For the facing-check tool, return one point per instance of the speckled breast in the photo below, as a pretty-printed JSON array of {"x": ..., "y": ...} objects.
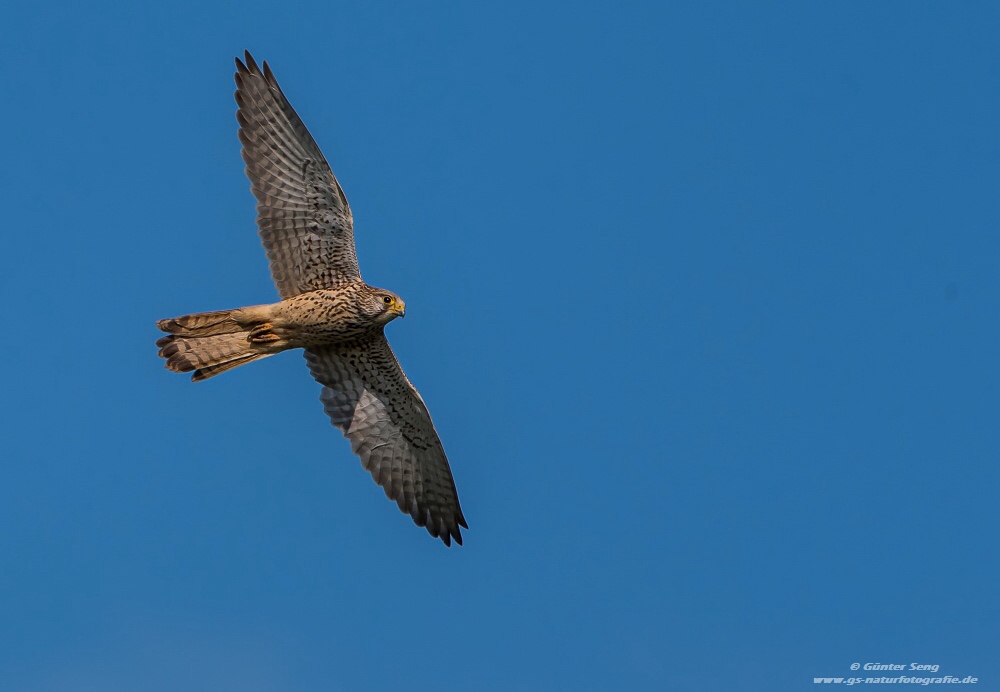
[{"x": 326, "y": 316}]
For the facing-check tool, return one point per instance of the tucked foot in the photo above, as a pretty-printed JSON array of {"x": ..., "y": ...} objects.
[{"x": 262, "y": 334}]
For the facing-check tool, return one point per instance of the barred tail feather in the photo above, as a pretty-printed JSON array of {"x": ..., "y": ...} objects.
[
  {"x": 207, "y": 343},
  {"x": 202, "y": 324},
  {"x": 204, "y": 373}
]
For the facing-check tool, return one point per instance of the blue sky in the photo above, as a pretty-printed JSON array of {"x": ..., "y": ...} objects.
[{"x": 703, "y": 298}]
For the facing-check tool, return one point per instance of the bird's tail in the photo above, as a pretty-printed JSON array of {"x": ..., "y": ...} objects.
[{"x": 208, "y": 343}]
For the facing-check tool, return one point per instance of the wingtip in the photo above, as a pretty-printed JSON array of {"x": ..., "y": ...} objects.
[
  {"x": 269, "y": 76},
  {"x": 448, "y": 533},
  {"x": 249, "y": 66},
  {"x": 251, "y": 63}
]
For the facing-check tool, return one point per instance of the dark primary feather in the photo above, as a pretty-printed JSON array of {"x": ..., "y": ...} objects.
[
  {"x": 304, "y": 220},
  {"x": 368, "y": 397}
]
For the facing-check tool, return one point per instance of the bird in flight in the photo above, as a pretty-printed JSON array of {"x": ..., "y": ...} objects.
[{"x": 326, "y": 309}]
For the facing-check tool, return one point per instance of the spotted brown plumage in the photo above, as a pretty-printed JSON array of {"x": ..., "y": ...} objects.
[{"x": 307, "y": 230}]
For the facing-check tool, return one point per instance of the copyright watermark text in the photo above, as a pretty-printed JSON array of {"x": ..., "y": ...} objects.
[{"x": 906, "y": 674}]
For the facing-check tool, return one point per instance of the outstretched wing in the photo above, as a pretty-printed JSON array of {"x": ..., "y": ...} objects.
[
  {"x": 368, "y": 397},
  {"x": 304, "y": 220}
]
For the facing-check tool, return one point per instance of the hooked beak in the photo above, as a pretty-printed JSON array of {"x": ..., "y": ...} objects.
[{"x": 399, "y": 308}]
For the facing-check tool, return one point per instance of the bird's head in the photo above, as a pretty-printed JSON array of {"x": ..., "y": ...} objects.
[{"x": 385, "y": 306}]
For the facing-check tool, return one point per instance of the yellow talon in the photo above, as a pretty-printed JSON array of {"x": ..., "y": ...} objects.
[{"x": 262, "y": 334}]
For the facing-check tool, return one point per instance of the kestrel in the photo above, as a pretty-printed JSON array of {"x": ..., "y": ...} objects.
[{"x": 307, "y": 229}]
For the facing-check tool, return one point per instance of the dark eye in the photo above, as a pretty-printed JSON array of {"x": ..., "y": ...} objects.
[{"x": 387, "y": 300}]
